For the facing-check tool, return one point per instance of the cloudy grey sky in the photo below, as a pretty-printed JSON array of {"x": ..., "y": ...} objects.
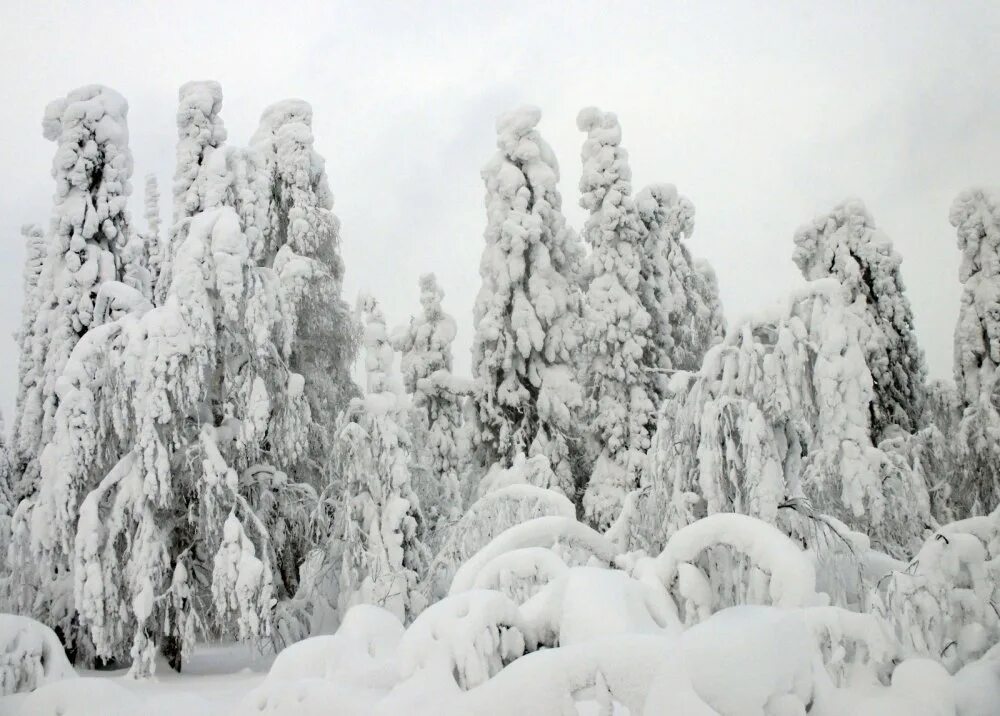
[{"x": 764, "y": 114}]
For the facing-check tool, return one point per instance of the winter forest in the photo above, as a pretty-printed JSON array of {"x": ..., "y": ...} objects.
[{"x": 635, "y": 502}]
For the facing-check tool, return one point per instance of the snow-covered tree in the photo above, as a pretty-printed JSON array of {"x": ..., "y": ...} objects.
[
  {"x": 975, "y": 214},
  {"x": 847, "y": 245},
  {"x": 617, "y": 326},
  {"x": 200, "y": 132},
  {"x": 85, "y": 246},
  {"x": 154, "y": 242},
  {"x": 32, "y": 356},
  {"x": 777, "y": 417},
  {"x": 425, "y": 345},
  {"x": 7, "y": 504},
  {"x": 209, "y": 415},
  {"x": 384, "y": 556},
  {"x": 526, "y": 313},
  {"x": 301, "y": 240},
  {"x": 165, "y": 498},
  {"x": 679, "y": 294}
]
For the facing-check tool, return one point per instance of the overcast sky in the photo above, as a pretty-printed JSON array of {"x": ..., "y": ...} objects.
[{"x": 764, "y": 114}]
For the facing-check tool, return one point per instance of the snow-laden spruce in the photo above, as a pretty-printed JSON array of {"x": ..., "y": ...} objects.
[
  {"x": 526, "y": 313},
  {"x": 200, "y": 132},
  {"x": 382, "y": 539},
  {"x": 617, "y": 326},
  {"x": 8, "y": 501},
  {"x": 301, "y": 241},
  {"x": 425, "y": 346},
  {"x": 154, "y": 242},
  {"x": 31, "y": 359},
  {"x": 678, "y": 292},
  {"x": 847, "y": 245},
  {"x": 85, "y": 246},
  {"x": 975, "y": 214}
]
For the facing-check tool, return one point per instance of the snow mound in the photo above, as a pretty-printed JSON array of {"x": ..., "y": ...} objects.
[
  {"x": 590, "y": 603},
  {"x": 524, "y": 471},
  {"x": 100, "y": 697},
  {"x": 30, "y": 655},
  {"x": 471, "y": 636},
  {"x": 562, "y": 533}
]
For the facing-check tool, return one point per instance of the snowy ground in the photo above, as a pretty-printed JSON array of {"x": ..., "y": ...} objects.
[
  {"x": 215, "y": 680},
  {"x": 539, "y": 621}
]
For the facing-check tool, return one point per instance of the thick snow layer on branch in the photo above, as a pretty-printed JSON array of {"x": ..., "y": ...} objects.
[
  {"x": 519, "y": 574},
  {"x": 241, "y": 583},
  {"x": 554, "y": 532},
  {"x": 792, "y": 576},
  {"x": 488, "y": 517}
]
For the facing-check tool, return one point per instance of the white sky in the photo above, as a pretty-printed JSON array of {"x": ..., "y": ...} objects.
[{"x": 764, "y": 114}]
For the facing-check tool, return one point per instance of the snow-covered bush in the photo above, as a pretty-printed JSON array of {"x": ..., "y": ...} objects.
[
  {"x": 943, "y": 605},
  {"x": 521, "y": 573},
  {"x": 527, "y": 311},
  {"x": 30, "y": 655},
  {"x": 534, "y": 471}
]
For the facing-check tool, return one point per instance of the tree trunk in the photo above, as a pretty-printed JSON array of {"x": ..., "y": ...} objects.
[{"x": 170, "y": 647}]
